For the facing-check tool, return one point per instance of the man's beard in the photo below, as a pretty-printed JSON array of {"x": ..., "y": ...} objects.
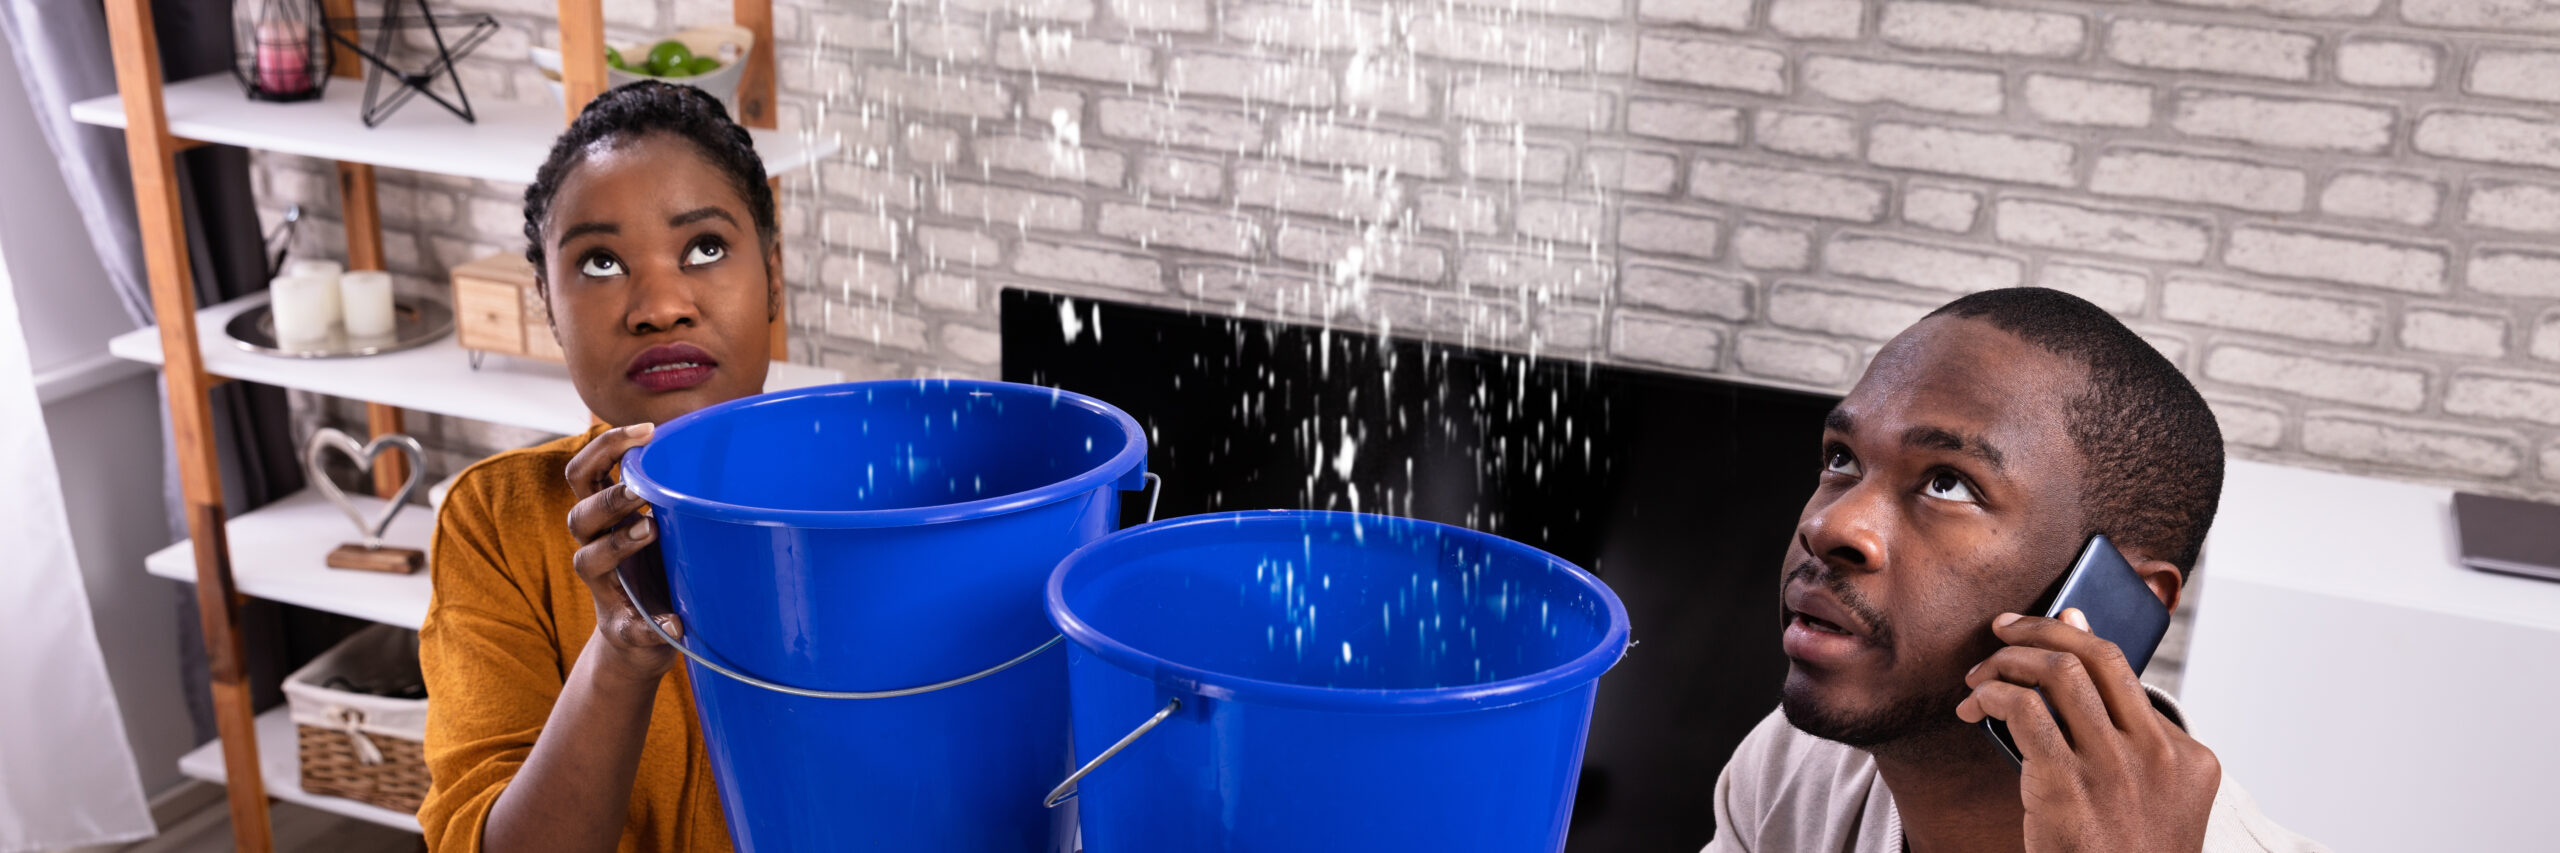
[{"x": 1902, "y": 718}]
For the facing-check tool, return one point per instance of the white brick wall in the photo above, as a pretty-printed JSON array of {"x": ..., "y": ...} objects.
[
  {"x": 2406, "y": 199},
  {"x": 2104, "y": 230},
  {"x": 2546, "y": 336},
  {"x": 1978, "y": 29},
  {"x": 2481, "y": 14},
  {"x": 1940, "y": 208},
  {"x": 1772, "y": 246},
  {"x": 1821, "y": 136},
  {"x": 2212, "y": 48},
  {"x": 2072, "y": 100},
  {"x": 1667, "y": 341},
  {"x": 2294, "y": 314},
  {"x": 2524, "y": 75},
  {"x": 1732, "y": 15},
  {"x": 2120, "y": 290},
  {"x": 2388, "y": 64},
  {"x": 2283, "y": 122},
  {"x": 1711, "y": 64},
  {"x": 2454, "y": 331},
  {"x": 2339, "y": 257},
  {"x": 2412, "y": 445},
  {"x": 2522, "y": 273},
  {"x": 2335, "y": 214},
  {"x": 1917, "y": 264},
  {"x": 1800, "y": 359},
  {"x": 2175, "y": 176},
  {"x": 1817, "y": 19},
  {"x": 2506, "y": 138},
  {"x": 1840, "y": 311},
  {"x": 1779, "y": 190},
  {"x": 2514, "y": 207},
  {"x": 1965, "y": 91}
]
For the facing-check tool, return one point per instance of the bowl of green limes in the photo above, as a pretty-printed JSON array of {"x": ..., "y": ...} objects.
[{"x": 711, "y": 58}]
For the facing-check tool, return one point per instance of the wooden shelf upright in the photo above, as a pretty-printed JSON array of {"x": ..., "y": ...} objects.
[{"x": 507, "y": 139}]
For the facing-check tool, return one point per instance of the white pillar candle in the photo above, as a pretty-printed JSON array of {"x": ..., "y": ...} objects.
[
  {"x": 366, "y": 297},
  {"x": 304, "y": 306},
  {"x": 325, "y": 270}
]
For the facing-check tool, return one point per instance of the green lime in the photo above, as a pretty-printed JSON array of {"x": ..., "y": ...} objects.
[
  {"x": 667, "y": 56},
  {"x": 702, "y": 65},
  {"x": 613, "y": 58}
]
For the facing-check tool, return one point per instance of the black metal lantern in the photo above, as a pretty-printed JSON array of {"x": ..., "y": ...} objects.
[{"x": 283, "y": 51}]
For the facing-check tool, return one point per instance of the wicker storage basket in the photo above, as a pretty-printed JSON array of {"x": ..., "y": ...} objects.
[{"x": 358, "y": 745}]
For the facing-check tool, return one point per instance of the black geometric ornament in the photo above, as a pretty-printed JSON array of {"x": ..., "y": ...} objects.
[{"x": 380, "y": 104}]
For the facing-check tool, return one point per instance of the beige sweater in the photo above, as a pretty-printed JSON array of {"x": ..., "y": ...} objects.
[{"x": 1790, "y": 792}]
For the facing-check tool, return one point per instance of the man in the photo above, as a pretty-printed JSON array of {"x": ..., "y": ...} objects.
[{"x": 1959, "y": 478}]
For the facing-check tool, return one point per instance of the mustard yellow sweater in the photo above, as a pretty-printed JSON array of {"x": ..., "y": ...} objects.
[{"x": 508, "y": 620}]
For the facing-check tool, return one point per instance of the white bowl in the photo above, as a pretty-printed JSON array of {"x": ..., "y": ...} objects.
[{"x": 705, "y": 41}]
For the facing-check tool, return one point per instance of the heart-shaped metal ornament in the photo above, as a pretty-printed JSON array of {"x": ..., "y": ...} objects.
[{"x": 329, "y": 438}]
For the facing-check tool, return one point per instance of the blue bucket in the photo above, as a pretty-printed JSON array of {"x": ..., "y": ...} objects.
[
  {"x": 858, "y": 568},
  {"x": 1296, "y": 681}
]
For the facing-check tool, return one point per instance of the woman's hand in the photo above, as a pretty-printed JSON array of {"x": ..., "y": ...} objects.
[
  {"x": 605, "y": 540},
  {"x": 573, "y": 793}
]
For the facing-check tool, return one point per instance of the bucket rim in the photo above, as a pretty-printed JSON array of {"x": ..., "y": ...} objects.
[
  {"x": 1583, "y": 669},
  {"x": 1131, "y": 459}
]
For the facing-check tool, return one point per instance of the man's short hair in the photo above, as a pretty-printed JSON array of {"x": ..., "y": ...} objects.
[{"x": 2153, "y": 449}]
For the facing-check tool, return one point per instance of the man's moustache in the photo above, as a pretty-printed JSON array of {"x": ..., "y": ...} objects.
[{"x": 1879, "y": 631}]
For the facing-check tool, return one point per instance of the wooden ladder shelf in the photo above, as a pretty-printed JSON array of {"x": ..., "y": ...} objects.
[{"x": 151, "y": 148}]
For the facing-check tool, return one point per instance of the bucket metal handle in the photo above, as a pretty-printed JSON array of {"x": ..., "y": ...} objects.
[
  {"x": 652, "y": 621},
  {"x": 1067, "y": 790},
  {"x": 1155, "y": 494},
  {"x": 1155, "y": 487}
]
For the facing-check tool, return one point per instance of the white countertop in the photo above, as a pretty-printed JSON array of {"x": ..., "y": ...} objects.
[
  {"x": 2382, "y": 541},
  {"x": 2366, "y": 688}
]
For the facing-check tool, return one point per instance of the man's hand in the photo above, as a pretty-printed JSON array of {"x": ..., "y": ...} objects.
[{"x": 2125, "y": 778}]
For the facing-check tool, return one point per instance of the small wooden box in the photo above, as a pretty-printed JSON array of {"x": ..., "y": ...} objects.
[{"x": 496, "y": 308}]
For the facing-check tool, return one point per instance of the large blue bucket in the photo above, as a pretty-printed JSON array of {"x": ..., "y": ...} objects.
[
  {"x": 859, "y": 572},
  {"x": 1299, "y": 681}
]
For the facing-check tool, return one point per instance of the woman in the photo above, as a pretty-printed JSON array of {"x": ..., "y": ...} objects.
[{"x": 555, "y": 723}]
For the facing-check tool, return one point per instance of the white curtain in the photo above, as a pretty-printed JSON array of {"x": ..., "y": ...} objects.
[{"x": 66, "y": 773}]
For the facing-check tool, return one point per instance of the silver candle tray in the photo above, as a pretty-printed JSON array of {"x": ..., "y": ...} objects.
[{"x": 416, "y": 320}]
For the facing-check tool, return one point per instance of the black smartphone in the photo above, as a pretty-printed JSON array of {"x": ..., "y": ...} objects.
[{"x": 2121, "y": 609}]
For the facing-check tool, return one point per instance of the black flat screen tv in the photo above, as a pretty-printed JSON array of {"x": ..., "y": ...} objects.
[{"x": 1680, "y": 492}]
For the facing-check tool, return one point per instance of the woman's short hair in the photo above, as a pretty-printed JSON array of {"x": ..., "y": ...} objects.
[{"x": 638, "y": 109}]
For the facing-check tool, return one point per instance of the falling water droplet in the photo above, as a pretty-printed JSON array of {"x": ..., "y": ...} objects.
[{"x": 1070, "y": 325}]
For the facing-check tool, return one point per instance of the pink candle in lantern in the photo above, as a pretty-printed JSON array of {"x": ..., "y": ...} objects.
[{"x": 283, "y": 58}]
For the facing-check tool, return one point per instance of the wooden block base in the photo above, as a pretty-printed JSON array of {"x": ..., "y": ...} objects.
[{"x": 398, "y": 561}]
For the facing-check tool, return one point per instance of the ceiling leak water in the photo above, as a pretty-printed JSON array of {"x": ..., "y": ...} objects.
[{"x": 915, "y": 198}]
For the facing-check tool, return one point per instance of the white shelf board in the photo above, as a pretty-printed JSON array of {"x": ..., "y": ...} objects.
[
  {"x": 507, "y": 143},
  {"x": 436, "y": 377},
  {"x": 280, "y": 552},
  {"x": 280, "y": 761}
]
